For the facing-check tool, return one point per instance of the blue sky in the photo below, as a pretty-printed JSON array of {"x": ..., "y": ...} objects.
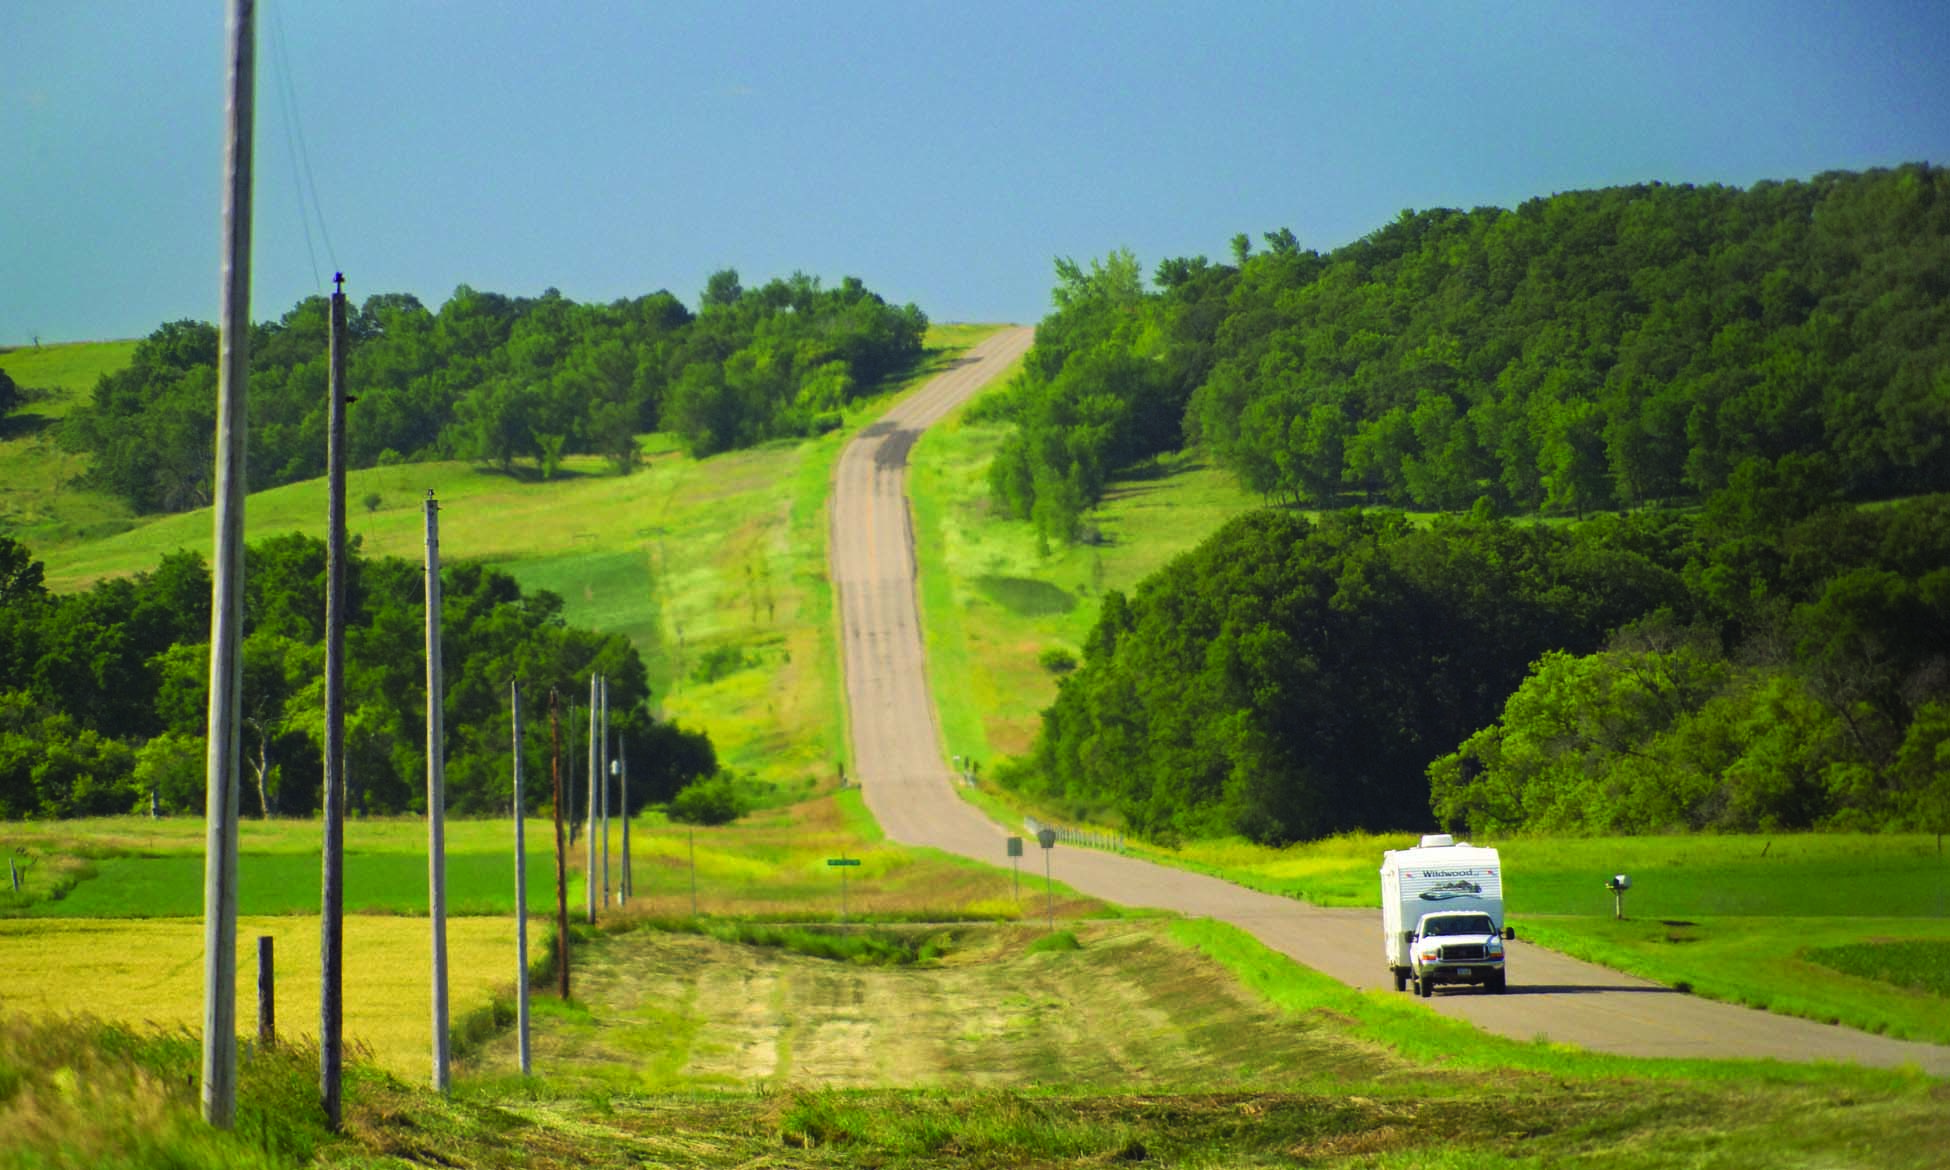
[{"x": 943, "y": 153}]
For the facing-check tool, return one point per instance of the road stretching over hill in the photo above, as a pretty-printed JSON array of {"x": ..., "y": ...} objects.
[{"x": 903, "y": 773}]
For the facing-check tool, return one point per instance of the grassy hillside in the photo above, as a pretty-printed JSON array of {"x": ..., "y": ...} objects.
[
  {"x": 995, "y": 598},
  {"x": 687, "y": 557},
  {"x": 39, "y": 503}
]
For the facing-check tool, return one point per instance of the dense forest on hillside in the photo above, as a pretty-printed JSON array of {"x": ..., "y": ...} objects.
[
  {"x": 1585, "y": 351},
  {"x": 1772, "y": 662},
  {"x": 498, "y": 379},
  {"x": 103, "y": 694}
]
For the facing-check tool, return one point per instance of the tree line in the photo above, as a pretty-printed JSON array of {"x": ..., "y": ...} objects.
[
  {"x": 104, "y": 693},
  {"x": 498, "y": 379},
  {"x": 1586, "y": 351},
  {"x": 1811, "y": 688},
  {"x": 1774, "y": 661}
]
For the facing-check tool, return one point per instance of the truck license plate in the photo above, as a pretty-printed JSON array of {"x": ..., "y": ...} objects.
[{"x": 1462, "y": 970}]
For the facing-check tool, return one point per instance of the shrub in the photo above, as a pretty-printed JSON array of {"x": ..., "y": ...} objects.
[
  {"x": 1057, "y": 660},
  {"x": 718, "y": 662},
  {"x": 716, "y": 801}
]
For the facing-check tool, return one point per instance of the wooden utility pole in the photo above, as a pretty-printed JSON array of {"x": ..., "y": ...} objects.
[
  {"x": 521, "y": 894},
  {"x": 561, "y": 854},
  {"x": 227, "y": 589},
  {"x": 436, "y": 804},
  {"x": 602, "y": 741},
  {"x": 589, "y": 835},
  {"x": 331, "y": 918},
  {"x": 569, "y": 780}
]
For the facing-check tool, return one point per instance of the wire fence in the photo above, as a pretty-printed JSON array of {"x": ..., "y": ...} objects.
[{"x": 1087, "y": 838}]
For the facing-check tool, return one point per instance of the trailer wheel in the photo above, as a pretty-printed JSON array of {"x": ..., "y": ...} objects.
[{"x": 1401, "y": 979}]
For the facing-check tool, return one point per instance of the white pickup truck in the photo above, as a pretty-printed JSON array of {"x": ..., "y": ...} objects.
[{"x": 1442, "y": 915}]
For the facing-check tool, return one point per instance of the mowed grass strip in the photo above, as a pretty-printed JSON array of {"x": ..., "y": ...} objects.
[
  {"x": 1182, "y": 1043},
  {"x": 1128, "y": 1007},
  {"x": 150, "y": 972}
]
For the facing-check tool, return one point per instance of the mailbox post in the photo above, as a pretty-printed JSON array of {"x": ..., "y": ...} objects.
[
  {"x": 1618, "y": 885},
  {"x": 1015, "y": 867}
]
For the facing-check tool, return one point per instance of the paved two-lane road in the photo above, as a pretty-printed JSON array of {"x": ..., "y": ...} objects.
[{"x": 899, "y": 762}]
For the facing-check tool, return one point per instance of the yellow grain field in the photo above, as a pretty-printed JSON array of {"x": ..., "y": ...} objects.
[{"x": 150, "y": 971}]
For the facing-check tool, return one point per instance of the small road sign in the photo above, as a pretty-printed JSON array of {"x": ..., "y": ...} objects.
[{"x": 841, "y": 863}]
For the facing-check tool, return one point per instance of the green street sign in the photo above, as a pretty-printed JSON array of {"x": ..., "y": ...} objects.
[{"x": 842, "y": 861}]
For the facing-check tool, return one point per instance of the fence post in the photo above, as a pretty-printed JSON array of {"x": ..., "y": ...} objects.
[{"x": 267, "y": 994}]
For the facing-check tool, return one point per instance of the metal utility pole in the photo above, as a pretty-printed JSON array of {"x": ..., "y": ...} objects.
[
  {"x": 521, "y": 893},
  {"x": 561, "y": 853},
  {"x": 625, "y": 884},
  {"x": 331, "y": 918},
  {"x": 227, "y": 588},
  {"x": 602, "y": 739},
  {"x": 436, "y": 804},
  {"x": 589, "y": 835}
]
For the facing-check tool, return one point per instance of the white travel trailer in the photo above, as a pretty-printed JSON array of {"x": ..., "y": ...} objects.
[{"x": 1442, "y": 915}]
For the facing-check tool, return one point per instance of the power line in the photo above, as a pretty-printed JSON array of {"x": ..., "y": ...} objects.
[{"x": 304, "y": 182}]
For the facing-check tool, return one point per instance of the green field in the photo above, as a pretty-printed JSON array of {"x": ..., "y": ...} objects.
[
  {"x": 1913, "y": 965},
  {"x": 770, "y": 863}
]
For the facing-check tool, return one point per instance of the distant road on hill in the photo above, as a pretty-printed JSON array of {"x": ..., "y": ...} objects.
[{"x": 902, "y": 770}]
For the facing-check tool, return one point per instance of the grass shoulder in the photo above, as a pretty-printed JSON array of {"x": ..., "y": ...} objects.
[{"x": 1738, "y": 918}]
